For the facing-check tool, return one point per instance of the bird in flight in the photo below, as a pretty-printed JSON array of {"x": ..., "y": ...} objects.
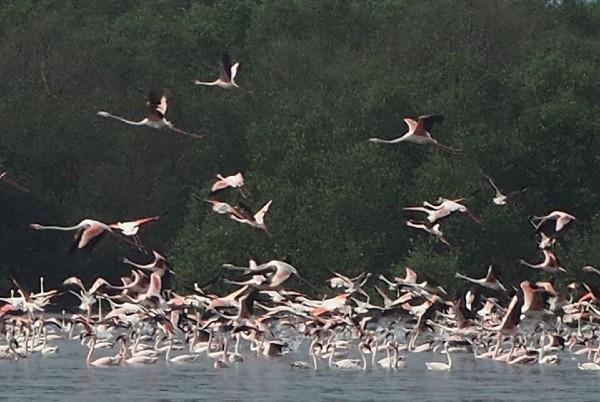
[
  {"x": 88, "y": 232},
  {"x": 131, "y": 228},
  {"x": 243, "y": 214},
  {"x": 157, "y": 104},
  {"x": 227, "y": 74},
  {"x": 233, "y": 181},
  {"x": 433, "y": 230},
  {"x": 499, "y": 198},
  {"x": 4, "y": 178},
  {"x": 418, "y": 132},
  {"x": 562, "y": 219}
]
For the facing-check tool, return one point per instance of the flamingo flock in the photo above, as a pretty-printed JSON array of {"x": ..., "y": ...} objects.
[{"x": 139, "y": 322}]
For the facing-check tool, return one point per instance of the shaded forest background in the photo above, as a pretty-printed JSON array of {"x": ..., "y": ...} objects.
[{"x": 516, "y": 80}]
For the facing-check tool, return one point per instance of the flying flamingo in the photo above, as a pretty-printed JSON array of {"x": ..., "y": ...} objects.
[
  {"x": 226, "y": 77},
  {"x": 221, "y": 207},
  {"x": 11, "y": 182},
  {"x": 490, "y": 281},
  {"x": 546, "y": 241},
  {"x": 156, "y": 115},
  {"x": 257, "y": 220},
  {"x": 131, "y": 228},
  {"x": 562, "y": 219},
  {"x": 274, "y": 273},
  {"x": 550, "y": 263},
  {"x": 88, "y": 232},
  {"x": 509, "y": 324},
  {"x": 433, "y": 230},
  {"x": 160, "y": 265},
  {"x": 451, "y": 206},
  {"x": 499, "y": 198},
  {"x": 418, "y": 132},
  {"x": 234, "y": 181},
  {"x": 433, "y": 215}
]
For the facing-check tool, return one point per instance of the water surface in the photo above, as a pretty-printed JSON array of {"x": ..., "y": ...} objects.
[{"x": 66, "y": 378}]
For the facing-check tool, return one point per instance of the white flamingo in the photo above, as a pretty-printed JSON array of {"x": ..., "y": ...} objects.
[
  {"x": 433, "y": 230},
  {"x": 227, "y": 75},
  {"x": 156, "y": 116},
  {"x": 438, "y": 366},
  {"x": 499, "y": 198}
]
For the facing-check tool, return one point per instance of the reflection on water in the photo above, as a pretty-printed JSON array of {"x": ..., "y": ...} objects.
[{"x": 66, "y": 377}]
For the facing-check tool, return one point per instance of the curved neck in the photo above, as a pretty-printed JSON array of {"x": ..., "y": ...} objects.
[
  {"x": 331, "y": 356},
  {"x": 89, "y": 356},
  {"x": 168, "y": 355},
  {"x": 364, "y": 359}
]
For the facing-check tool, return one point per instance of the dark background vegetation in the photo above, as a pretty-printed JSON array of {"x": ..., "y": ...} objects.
[{"x": 516, "y": 80}]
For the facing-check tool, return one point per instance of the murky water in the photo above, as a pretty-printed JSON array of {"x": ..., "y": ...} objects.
[{"x": 66, "y": 378}]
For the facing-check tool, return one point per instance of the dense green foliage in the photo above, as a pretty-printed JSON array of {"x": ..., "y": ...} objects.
[{"x": 517, "y": 83}]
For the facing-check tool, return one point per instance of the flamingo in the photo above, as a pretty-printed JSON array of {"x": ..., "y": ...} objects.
[
  {"x": 131, "y": 228},
  {"x": 185, "y": 358},
  {"x": 86, "y": 297},
  {"x": 433, "y": 215},
  {"x": 350, "y": 285},
  {"x": 509, "y": 324},
  {"x": 88, "y": 232},
  {"x": 108, "y": 361},
  {"x": 12, "y": 183},
  {"x": 546, "y": 241},
  {"x": 433, "y": 230},
  {"x": 562, "y": 219},
  {"x": 351, "y": 364},
  {"x": 156, "y": 115},
  {"x": 234, "y": 181},
  {"x": 221, "y": 208},
  {"x": 550, "y": 263},
  {"x": 313, "y": 350},
  {"x": 499, "y": 198},
  {"x": 451, "y": 206},
  {"x": 257, "y": 220},
  {"x": 160, "y": 265},
  {"x": 227, "y": 75},
  {"x": 274, "y": 274},
  {"x": 490, "y": 281},
  {"x": 418, "y": 132},
  {"x": 438, "y": 366}
]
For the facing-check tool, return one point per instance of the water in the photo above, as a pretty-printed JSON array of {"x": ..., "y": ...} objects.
[{"x": 66, "y": 378}]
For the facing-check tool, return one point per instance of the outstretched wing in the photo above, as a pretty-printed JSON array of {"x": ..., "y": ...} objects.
[
  {"x": 157, "y": 102},
  {"x": 493, "y": 185},
  {"x": 226, "y": 67},
  {"x": 260, "y": 215},
  {"x": 427, "y": 121}
]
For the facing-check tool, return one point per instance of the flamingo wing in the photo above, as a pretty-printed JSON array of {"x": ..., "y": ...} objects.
[
  {"x": 412, "y": 125},
  {"x": 427, "y": 121},
  {"x": 226, "y": 72},
  {"x": 260, "y": 215}
]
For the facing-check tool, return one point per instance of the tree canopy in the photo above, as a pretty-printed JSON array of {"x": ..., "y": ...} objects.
[{"x": 515, "y": 80}]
